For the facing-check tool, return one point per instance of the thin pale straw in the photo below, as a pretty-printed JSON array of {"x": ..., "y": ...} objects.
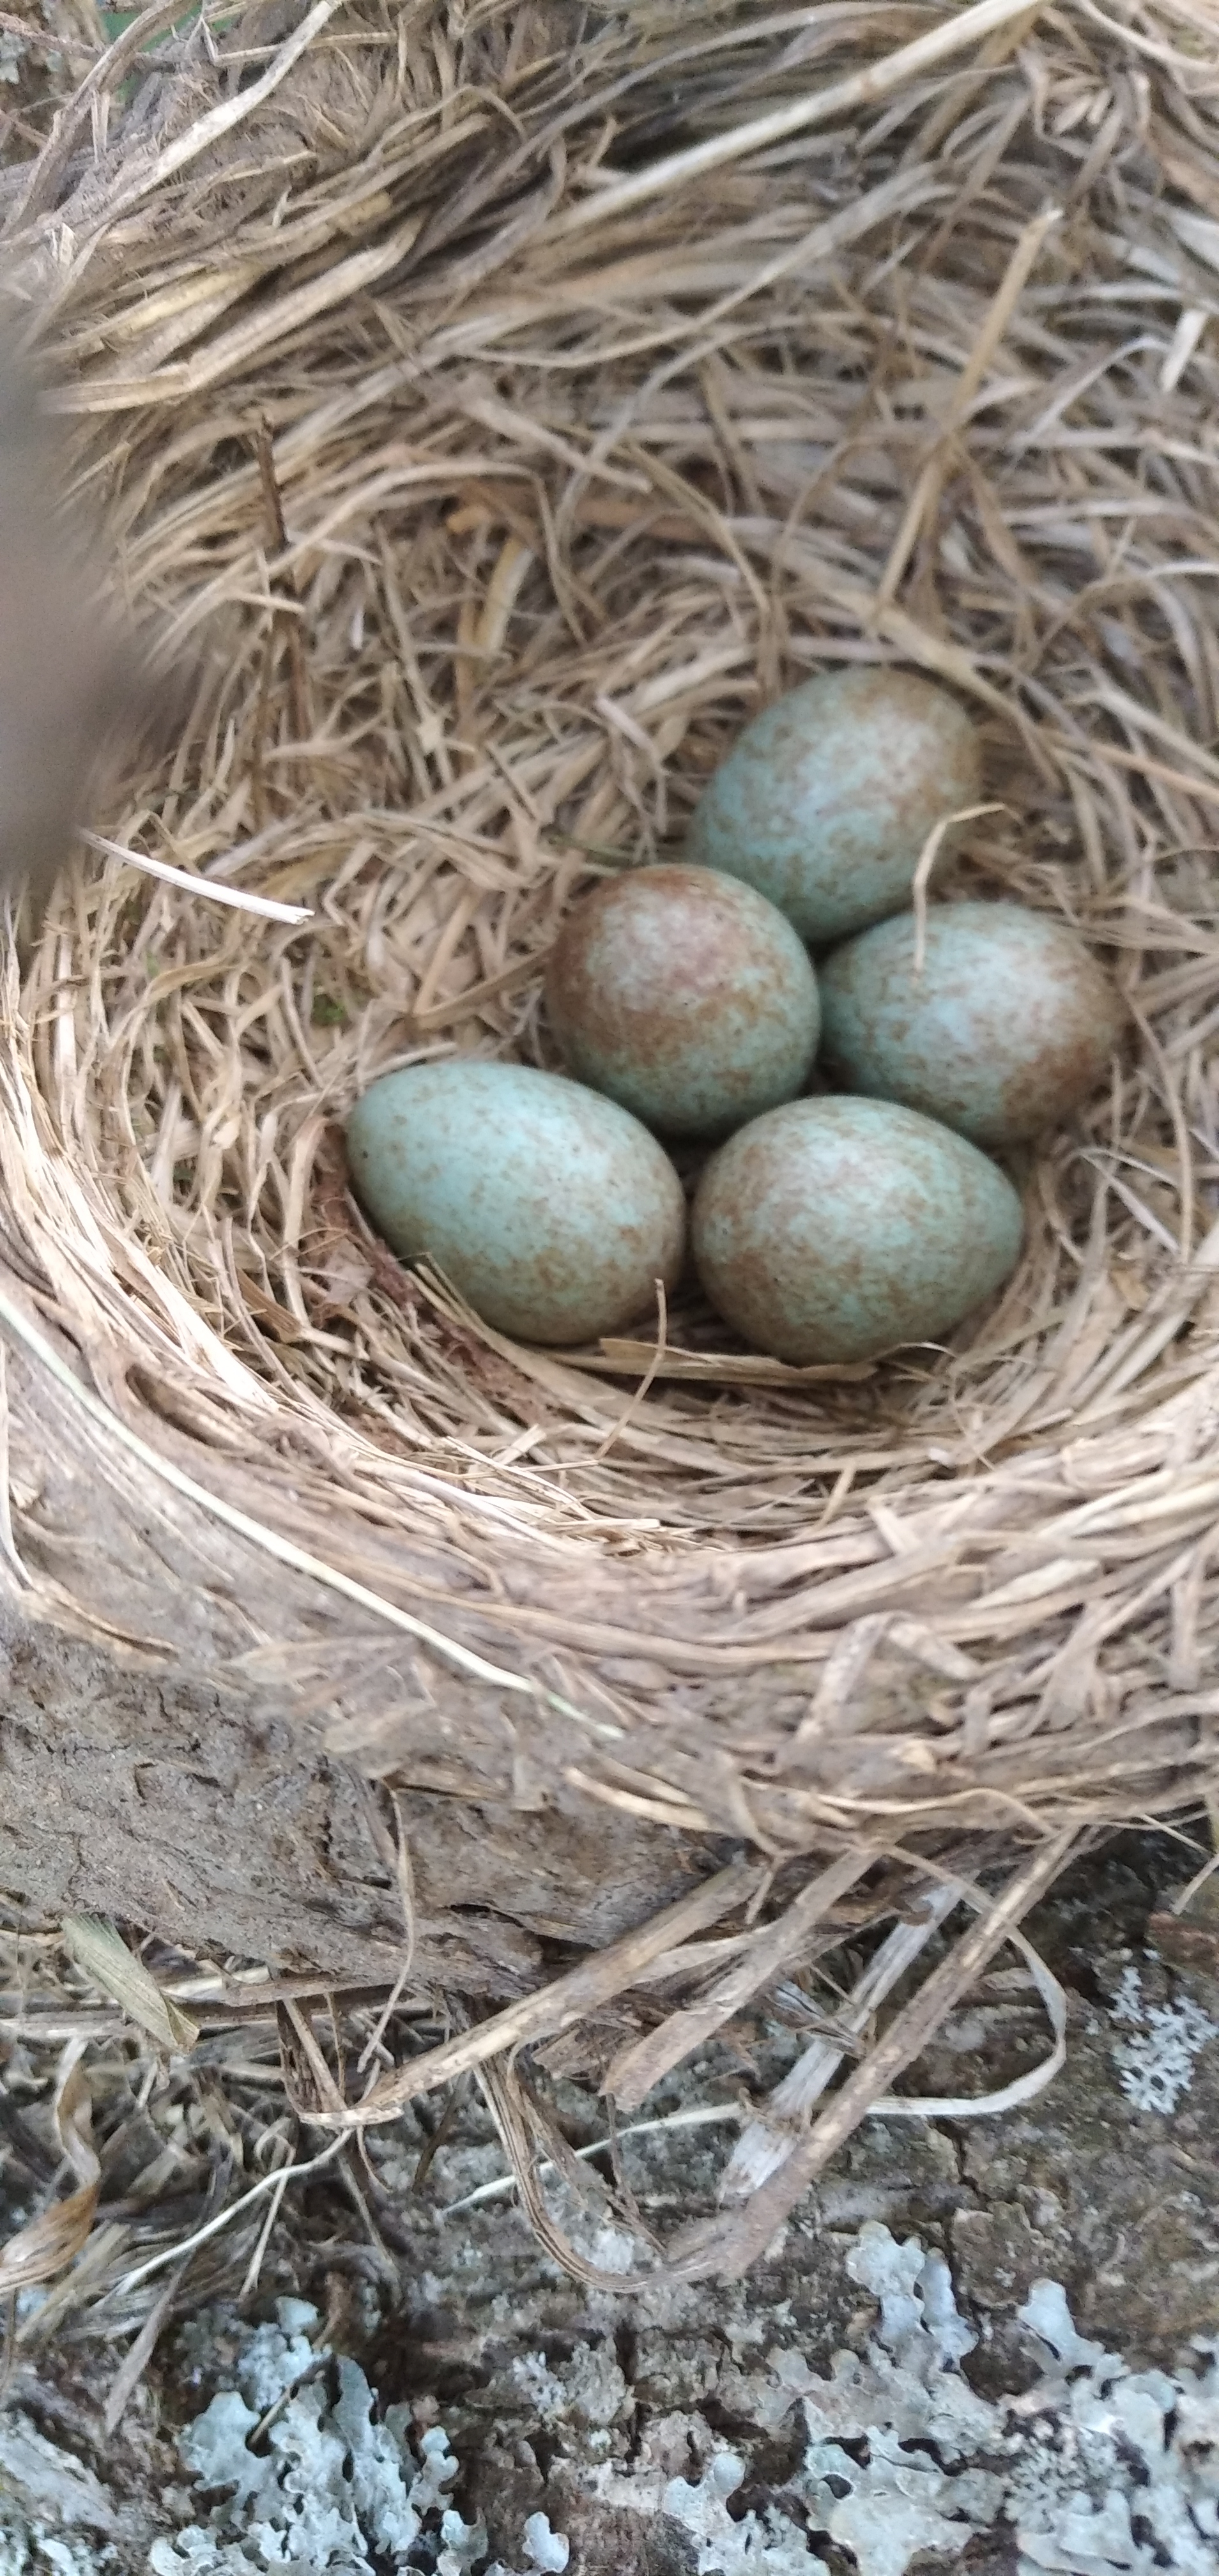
[
  {"x": 860, "y": 89},
  {"x": 927, "y": 857},
  {"x": 234, "y": 896}
]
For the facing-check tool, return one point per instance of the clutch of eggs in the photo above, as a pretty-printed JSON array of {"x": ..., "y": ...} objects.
[{"x": 685, "y": 1004}]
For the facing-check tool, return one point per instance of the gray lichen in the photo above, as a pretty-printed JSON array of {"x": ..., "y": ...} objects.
[
  {"x": 1096, "y": 2470},
  {"x": 1155, "y": 2055}
]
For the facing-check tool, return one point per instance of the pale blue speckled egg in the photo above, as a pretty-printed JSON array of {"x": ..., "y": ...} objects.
[
  {"x": 835, "y": 1229},
  {"x": 1005, "y": 1027},
  {"x": 551, "y": 1210},
  {"x": 686, "y": 996},
  {"x": 827, "y": 799}
]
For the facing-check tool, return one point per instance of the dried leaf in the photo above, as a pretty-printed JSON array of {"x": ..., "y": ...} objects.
[
  {"x": 43, "y": 2248},
  {"x": 74, "y": 2116},
  {"x": 57, "y": 2236},
  {"x": 103, "y": 1955}
]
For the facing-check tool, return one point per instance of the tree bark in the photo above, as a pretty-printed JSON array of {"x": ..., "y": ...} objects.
[{"x": 220, "y": 1823}]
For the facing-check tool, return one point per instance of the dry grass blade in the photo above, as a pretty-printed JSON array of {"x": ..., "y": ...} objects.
[
  {"x": 103, "y": 1955},
  {"x": 135, "y": 2361},
  {"x": 862, "y": 89},
  {"x": 49, "y": 2243},
  {"x": 631, "y": 2075},
  {"x": 275, "y": 1546},
  {"x": 506, "y": 2101},
  {"x": 235, "y": 896},
  {"x": 734, "y": 2243},
  {"x": 698, "y": 2115},
  {"x": 275, "y": 2182},
  {"x": 767, "y": 2141},
  {"x": 556, "y": 2007},
  {"x": 1007, "y": 2097}
]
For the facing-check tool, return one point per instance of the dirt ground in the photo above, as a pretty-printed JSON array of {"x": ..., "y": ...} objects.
[{"x": 1107, "y": 2184}]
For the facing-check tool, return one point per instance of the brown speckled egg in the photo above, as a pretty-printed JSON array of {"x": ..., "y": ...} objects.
[
  {"x": 826, "y": 800},
  {"x": 685, "y": 996},
  {"x": 1007, "y": 1025},
  {"x": 836, "y": 1229},
  {"x": 553, "y": 1211}
]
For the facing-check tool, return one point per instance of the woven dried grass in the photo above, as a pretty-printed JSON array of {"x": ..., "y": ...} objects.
[{"x": 501, "y": 403}]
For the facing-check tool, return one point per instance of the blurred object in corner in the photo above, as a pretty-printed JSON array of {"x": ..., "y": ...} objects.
[{"x": 77, "y": 685}]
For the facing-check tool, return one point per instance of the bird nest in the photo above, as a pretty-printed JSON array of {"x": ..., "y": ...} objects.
[{"x": 499, "y": 404}]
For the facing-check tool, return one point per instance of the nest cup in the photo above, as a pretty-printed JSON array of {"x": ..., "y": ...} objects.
[{"x": 500, "y": 405}]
